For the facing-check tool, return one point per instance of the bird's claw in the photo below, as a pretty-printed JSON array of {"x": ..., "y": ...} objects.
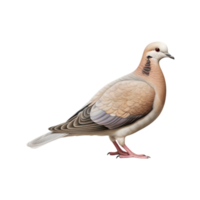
[
  {"x": 117, "y": 156},
  {"x": 136, "y": 156},
  {"x": 108, "y": 153}
]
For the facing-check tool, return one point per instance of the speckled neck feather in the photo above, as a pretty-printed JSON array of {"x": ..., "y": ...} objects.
[{"x": 146, "y": 70}]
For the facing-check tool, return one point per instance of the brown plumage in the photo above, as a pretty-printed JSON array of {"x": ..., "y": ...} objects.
[{"x": 122, "y": 107}]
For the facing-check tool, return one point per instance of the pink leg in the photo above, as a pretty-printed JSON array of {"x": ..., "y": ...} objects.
[{"x": 119, "y": 150}]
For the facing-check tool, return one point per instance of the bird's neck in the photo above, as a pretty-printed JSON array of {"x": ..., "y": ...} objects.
[{"x": 150, "y": 71}]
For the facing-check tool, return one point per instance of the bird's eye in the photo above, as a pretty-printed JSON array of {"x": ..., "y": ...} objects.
[{"x": 157, "y": 49}]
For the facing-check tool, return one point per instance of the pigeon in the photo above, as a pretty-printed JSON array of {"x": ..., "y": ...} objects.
[{"x": 121, "y": 108}]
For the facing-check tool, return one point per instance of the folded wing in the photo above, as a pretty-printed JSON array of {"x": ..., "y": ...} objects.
[{"x": 121, "y": 104}]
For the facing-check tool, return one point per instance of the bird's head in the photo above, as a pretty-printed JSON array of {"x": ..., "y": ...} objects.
[
  {"x": 150, "y": 65},
  {"x": 157, "y": 51}
]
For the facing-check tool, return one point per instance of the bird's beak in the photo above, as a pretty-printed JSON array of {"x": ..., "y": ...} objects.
[{"x": 168, "y": 55}]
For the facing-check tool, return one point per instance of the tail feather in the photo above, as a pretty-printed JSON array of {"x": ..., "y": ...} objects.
[{"x": 44, "y": 139}]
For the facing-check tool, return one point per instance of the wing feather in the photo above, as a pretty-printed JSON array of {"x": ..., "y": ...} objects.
[{"x": 120, "y": 104}]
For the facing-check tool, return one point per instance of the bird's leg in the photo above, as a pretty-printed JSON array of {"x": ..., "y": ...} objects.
[
  {"x": 131, "y": 154},
  {"x": 119, "y": 150}
]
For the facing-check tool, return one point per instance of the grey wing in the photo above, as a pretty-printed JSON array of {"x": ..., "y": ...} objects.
[
  {"x": 112, "y": 122},
  {"x": 87, "y": 121},
  {"x": 80, "y": 122}
]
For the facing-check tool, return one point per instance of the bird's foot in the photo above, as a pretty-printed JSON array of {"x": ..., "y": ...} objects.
[
  {"x": 126, "y": 154},
  {"x": 136, "y": 156},
  {"x": 133, "y": 155},
  {"x": 113, "y": 153}
]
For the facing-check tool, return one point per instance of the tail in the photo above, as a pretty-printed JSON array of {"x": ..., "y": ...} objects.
[{"x": 44, "y": 139}]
